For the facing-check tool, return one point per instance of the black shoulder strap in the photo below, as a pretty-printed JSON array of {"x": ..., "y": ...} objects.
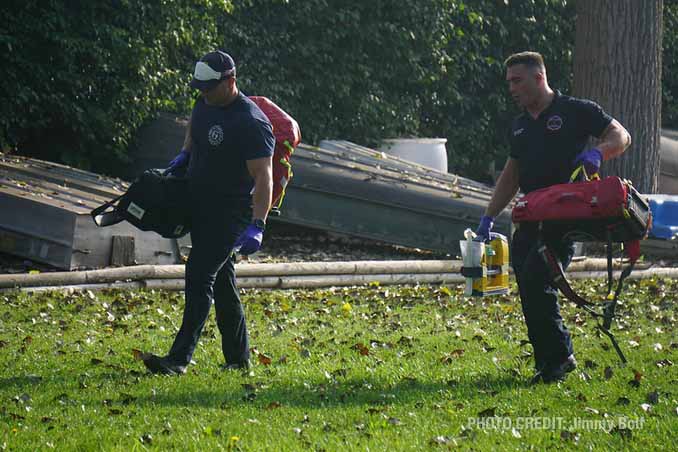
[
  {"x": 561, "y": 282},
  {"x": 102, "y": 218}
]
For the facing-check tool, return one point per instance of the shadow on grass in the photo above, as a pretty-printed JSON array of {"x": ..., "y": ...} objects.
[
  {"x": 22, "y": 381},
  {"x": 344, "y": 392}
]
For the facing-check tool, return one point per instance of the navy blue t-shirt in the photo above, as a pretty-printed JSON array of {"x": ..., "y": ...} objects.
[
  {"x": 224, "y": 138},
  {"x": 547, "y": 146}
]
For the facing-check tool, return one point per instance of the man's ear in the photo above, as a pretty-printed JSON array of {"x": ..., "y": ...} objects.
[{"x": 539, "y": 77}]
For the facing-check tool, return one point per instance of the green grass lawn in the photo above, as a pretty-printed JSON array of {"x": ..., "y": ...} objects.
[{"x": 372, "y": 368}]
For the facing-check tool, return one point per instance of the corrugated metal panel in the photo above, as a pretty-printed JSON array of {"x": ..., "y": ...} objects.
[
  {"x": 44, "y": 216},
  {"x": 380, "y": 198}
]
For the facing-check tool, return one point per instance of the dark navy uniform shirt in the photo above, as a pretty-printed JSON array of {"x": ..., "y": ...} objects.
[
  {"x": 224, "y": 138},
  {"x": 547, "y": 146}
]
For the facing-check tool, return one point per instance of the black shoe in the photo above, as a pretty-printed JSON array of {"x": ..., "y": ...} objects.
[
  {"x": 243, "y": 365},
  {"x": 537, "y": 378},
  {"x": 163, "y": 366},
  {"x": 559, "y": 372}
]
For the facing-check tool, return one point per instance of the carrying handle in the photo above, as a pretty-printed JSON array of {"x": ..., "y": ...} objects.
[
  {"x": 102, "y": 218},
  {"x": 581, "y": 171}
]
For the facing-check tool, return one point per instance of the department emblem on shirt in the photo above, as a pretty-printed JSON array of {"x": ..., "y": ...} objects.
[
  {"x": 215, "y": 135},
  {"x": 554, "y": 123}
]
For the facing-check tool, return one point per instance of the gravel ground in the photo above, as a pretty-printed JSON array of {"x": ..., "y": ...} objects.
[{"x": 288, "y": 243}]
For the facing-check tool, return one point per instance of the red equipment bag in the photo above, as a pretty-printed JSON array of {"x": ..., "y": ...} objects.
[
  {"x": 595, "y": 210},
  {"x": 287, "y": 138},
  {"x": 608, "y": 210}
]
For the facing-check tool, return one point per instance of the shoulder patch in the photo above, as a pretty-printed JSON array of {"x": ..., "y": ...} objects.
[{"x": 518, "y": 131}]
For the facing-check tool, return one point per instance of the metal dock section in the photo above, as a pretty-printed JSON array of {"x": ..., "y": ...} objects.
[{"x": 45, "y": 216}]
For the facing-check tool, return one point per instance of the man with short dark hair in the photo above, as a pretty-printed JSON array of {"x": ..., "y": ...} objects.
[
  {"x": 228, "y": 148},
  {"x": 548, "y": 142}
]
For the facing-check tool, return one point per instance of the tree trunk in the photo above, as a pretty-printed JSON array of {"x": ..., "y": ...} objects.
[{"x": 617, "y": 63}]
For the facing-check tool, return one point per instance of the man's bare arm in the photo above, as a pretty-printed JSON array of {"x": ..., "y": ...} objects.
[
  {"x": 261, "y": 171},
  {"x": 506, "y": 189},
  {"x": 614, "y": 140},
  {"x": 188, "y": 143}
]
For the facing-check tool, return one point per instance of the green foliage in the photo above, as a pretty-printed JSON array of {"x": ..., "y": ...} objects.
[
  {"x": 79, "y": 77},
  {"x": 357, "y": 368},
  {"x": 364, "y": 71}
]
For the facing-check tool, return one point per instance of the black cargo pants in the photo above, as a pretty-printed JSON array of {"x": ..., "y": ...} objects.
[
  {"x": 210, "y": 276},
  {"x": 548, "y": 335}
]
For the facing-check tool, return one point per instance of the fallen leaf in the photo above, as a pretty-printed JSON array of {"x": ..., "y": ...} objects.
[
  {"x": 569, "y": 436},
  {"x": 442, "y": 440},
  {"x": 623, "y": 401},
  {"x": 451, "y": 356},
  {"x": 273, "y": 405},
  {"x": 264, "y": 359},
  {"x": 637, "y": 377},
  {"x": 126, "y": 399},
  {"x": 362, "y": 349},
  {"x": 646, "y": 407},
  {"x": 339, "y": 373},
  {"x": 608, "y": 372},
  {"x": 146, "y": 438},
  {"x": 210, "y": 431},
  {"x": 625, "y": 433},
  {"x": 653, "y": 397},
  {"x": 406, "y": 340},
  {"x": 488, "y": 412},
  {"x": 346, "y": 309}
]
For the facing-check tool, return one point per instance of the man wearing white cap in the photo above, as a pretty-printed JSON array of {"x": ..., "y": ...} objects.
[{"x": 227, "y": 152}]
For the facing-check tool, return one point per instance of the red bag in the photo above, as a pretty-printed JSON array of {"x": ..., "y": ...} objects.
[
  {"x": 595, "y": 210},
  {"x": 287, "y": 138}
]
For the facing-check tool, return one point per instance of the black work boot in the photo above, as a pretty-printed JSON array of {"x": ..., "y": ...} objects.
[
  {"x": 553, "y": 374},
  {"x": 163, "y": 366},
  {"x": 559, "y": 372},
  {"x": 243, "y": 365}
]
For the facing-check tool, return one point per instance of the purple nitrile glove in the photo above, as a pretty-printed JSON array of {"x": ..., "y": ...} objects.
[
  {"x": 250, "y": 240},
  {"x": 590, "y": 159},
  {"x": 179, "y": 161},
  {"x": 484, "y": 228}
]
